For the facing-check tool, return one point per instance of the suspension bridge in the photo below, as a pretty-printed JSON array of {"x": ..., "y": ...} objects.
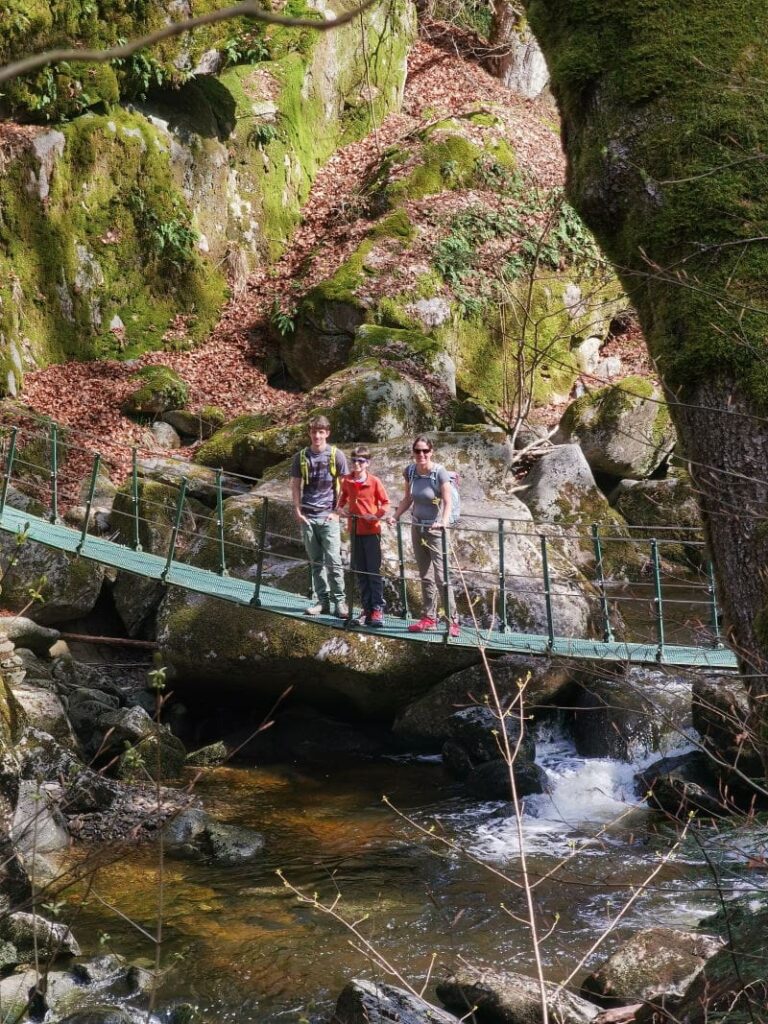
[{"x": 667, "y": 603}]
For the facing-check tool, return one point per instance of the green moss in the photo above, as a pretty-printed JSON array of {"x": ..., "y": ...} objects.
[
  {"x": 611, "y": 403},
  {"x": 396, "y": 225},
  {"x": 444, "y": 164},
  {"x": 161, "y": 388},
  {"x": 682, "y": 188},
  {"x": 392, "y": 344}
]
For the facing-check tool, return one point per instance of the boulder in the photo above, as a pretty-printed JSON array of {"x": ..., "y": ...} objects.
[
  {"x": 101, "y": 1014},
  {"x": 653, "y": 963},
  {"x": 199, "y": 425},
  {"x": 721, "y": 714},
  {"x": 682, "y": 785},
  {"x": 27, "y": 633},
  {"x": 46, "y": 710},
  {"x": 69, "y": 586},
  {"x": 322, "y": 341},
  {"x": 38, "y": 829},
  {"x": 371, "y": 402},
  {"x": 195, "y": 835},
  {"x": 490, "y": 781},
  {"x": 426, "y": 721},
  {"x": 505, "y": 997},
  {"x": 560, "y": 489},
  {"x": 370, "y": 1002},
  {"x": 649, "y": 504},
  {"x": 477, "y": 730},
  {"x": 164, "y": 434},
  {"x": 624, "y": 430},
  {"x": 630, "y": 715},
  {"x": 158, "y": 389},
  {"x": 31, "y": 932},
  {"x": 249, "y": 444},
  {"x": 418, "y": 354}
]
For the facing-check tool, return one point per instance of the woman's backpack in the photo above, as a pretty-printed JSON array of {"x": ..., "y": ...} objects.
[{"x": 453, "y": 479}]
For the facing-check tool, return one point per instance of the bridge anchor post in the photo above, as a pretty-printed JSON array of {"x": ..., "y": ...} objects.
[
  {"x": 175, "y": 533},
  {"x": 658, "y": 599},
  {"x": 256, "y": 599},
  {"x": 547, "y": 593}
]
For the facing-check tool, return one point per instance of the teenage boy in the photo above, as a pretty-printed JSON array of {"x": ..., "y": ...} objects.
[
  {"x": 366, "y": 501},
  {"x": 316, "y": 474}
]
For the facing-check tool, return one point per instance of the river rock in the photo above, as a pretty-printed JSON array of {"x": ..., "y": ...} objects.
[
  {"x": 477, "y": 731},
  {"x": 721, "y": 714},
  {"x": 505, "y": 997},
  {"x": 102, "y": 1014},
  {"x": 369, "y": 1002},
  {"x": 633, "y": 714},
  {"x": 624, "y": 430},
  {"x": 46, "y": 710},
  {"x": 653, "y": 963},
  {"x": 426, "y": 721},
  {"x": 31, "y": 931},
  {"x": 680, "y": 785},
  {"x": 25, "y": 632},
  {"x": 38, "y": 829},
  {"x": 193, "y": 834},
  {"x": 732, "y": 985},
  {"x": 490, "y": 781}
]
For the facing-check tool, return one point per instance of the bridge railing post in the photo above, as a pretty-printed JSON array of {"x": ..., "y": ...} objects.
[
  {"x": 54, "y": 473},
  {"x": 135, "y": 499},
  {"x": 89, "y": 501},
  {"x": 658, "y": 599},
  {"x": 600, "y": 575},
  {"x": 446, "y": 583},
  {"x": 256, "y": 599},
  {"x": 220, "y": 525},
  {"x": 401, "y": 561},
  {"x": 502, "y": 581},
  {"x": 8, "y": 468},
  {"x": 175, "y": 532},
  {"x": 714, "y": 610},
  {"x": 547, "y": 592}
]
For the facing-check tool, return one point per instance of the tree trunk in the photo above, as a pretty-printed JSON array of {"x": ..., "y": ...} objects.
[
  {"x": 514, "y": 55},
  {"x": 665, "y": 127}
]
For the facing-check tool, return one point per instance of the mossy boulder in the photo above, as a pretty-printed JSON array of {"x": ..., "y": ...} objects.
[
  {"x": 68, "y": 586},
  {"x": 198, "y": 425},
  {"x": 249, "y": 444},
  {"x": 624, "y": 430},
  {"x": 410, "y": 350},
  {"x": 670, "y": 504},
  {"x": 159, "y": 388},
  {"x": 369, "y": 402}
]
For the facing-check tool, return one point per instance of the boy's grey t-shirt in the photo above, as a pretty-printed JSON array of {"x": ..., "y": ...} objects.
[
  {"x": 317, "y": 496},
  {"x": 426, "y": 499}
]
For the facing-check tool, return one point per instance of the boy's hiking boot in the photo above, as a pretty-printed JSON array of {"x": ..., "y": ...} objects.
[
  {"x": 319, "y": 608},
  {"x": 376, "y": 618},
  {"x": 423, "y": 625},
  {"x": 342, "y": 612}
]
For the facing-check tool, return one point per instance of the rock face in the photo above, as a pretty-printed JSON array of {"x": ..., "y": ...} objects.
[
  {"x": 634, "y": 714},
  {"x": 654, "y": 963},
  {"x": 123, "y": 220},
  {"x": 368, "y": 1002},
  {"x": 70, "y": 586},
  {"x": 504, "y": 997},
  {"x": 653, "y": 503},
  {"x": 624, "y": 430}
]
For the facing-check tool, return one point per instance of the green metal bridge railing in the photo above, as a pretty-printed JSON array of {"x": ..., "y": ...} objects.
[{"x": 40, "y": 473}]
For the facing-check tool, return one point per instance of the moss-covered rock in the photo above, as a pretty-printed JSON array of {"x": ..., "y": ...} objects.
[
  {"x": 370, "y": 402},
  {"x": 624, "y": 430},
  {"x": 200, "y": 425},
  {"x": 55, "y": 585},
  {"x": 671, "y": 504},
  {"x": 248, "y": 445},
  {"x": 159, "y": 389}
]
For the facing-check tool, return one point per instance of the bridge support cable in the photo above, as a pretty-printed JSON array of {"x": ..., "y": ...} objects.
[
  {"x": 54, "y": 473},
  {"x": 89, "y": 501},
  {"x": 135, "y": 498},
  {"x": 220, "y": 525},
  {"x": 175, "y": 531},
  {"x": 502, "y": 582}
]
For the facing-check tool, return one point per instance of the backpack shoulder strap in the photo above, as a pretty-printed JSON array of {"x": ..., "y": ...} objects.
[{"x": 304, "y": 465}]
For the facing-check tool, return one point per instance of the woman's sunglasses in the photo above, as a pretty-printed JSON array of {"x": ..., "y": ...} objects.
[{"x": 421, "y": 451}]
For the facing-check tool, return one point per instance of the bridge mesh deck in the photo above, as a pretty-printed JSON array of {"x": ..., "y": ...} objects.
[{"x": 280, "y": 602}]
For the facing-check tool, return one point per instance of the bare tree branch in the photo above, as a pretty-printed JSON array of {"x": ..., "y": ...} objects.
[{"x": 246, "y": 9}]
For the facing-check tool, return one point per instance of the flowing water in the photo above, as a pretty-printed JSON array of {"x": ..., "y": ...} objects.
[{"x": 242, "y": 947}]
